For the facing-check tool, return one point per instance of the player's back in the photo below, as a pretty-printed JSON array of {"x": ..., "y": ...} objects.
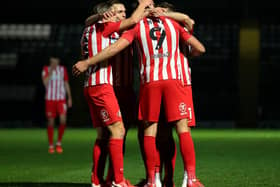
[{"x": 158, "y": 41}]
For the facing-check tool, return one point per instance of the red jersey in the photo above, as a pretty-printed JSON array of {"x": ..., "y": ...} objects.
[
  {"x": 122, "y": 65},
  {"x": 55, "y": 90},
  {"x": 157, "y": 40},
  {"x": 95, "y": 38},
  {"x": 186, "y": 71}
]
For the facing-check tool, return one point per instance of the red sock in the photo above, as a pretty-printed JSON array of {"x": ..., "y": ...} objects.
[
  {"x": 60, "y": 132},
  {"x": 110, "y": 173},
  {"x": 99, "y": 158},
  {"x": 116, "y": 155},
  {"x": 157, "y": 162},
  {"x": 50, "y": 135},
  {"x": 150, "y": 153},
  {"x": 188, "y": 153}
]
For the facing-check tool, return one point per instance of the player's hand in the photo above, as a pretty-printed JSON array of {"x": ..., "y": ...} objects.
[
  {"x": 189, "y": 24},
  {"x": 158, "y": 11},
  {"x": 80, "y": 67},
  {"x": 146, "y": 3},
  {"x": 108, "y": 14},
  {"x": 69, "y": 102}
]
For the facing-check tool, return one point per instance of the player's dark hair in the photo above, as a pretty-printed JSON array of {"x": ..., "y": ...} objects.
[
  {"x": 166, "y": 4},
  {"x": 111, "y": 2},
  {"x": 100, "y": 8}
]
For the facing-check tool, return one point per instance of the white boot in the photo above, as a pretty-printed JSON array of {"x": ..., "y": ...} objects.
[
  {"x": 157, "y": 180},
  {"x": 185, "y": 179}
]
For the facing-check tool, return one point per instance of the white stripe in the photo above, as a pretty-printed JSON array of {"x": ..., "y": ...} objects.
[
  {"x": 174, "y": 47},
  {"x": 103, "y": 68},
  {"x": 94, "y": 52},
  {"x": 179, "y": 64},
  {"x": 186, "y": 67},
  {"x": 111, "y": 77},
  {"x": 155, "y": 52},
  {"x": 165, "y": 59},
  {"x": 58, "y": 94},
  {"x": 54, "y": 85},
  {"x": 145, "y": 49},
  {"x": 49, "y": 86}
]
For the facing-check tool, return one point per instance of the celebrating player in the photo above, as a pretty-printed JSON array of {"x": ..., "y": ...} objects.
[
  {"x": 99, "y": 93},
  {"x": 158, "y": 43}
]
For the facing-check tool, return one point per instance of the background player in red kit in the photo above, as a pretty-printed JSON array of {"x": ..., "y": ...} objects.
[
  {"x": 55, "y": 80},
  {"x": 104, "y": 108},
  {"x": 158, "y": 43}
]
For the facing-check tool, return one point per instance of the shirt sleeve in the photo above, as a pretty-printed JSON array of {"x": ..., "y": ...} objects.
[
  {"x": 111, "y": 27},
  {"x": 65, "y": 74},
  {"x": 129, "y": 35},
  {"x": 45, "y": 72},
  {"x": 184, "y": 33}
]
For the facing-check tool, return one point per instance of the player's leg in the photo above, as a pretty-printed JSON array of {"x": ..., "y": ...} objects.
[
  {"x": 100, "y": 152},
  {"x": 62, "y": 110},
  {"x": 50, "y": 115},
  {"x": 175, "y": 100},
  {"x": 150, "y": 150},
  {"x": 191, "y": 122},
  {"x": 149, "y": 109},
  {"x": 100, "y": 148},
  {"x": 50, "y": 131}
]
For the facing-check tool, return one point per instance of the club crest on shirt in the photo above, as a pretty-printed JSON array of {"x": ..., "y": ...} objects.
[
  {"x": 183, "y": 108},
  {"x": 119, "y": 114},
  {"x": 104, "y": 115}
]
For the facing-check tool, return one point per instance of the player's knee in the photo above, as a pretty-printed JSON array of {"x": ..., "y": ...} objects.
[
  {"x": 182, "y": 126},
  {"x": 117, "y": 130}
]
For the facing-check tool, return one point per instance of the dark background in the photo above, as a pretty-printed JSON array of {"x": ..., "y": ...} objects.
[{"x": 226, "y": 93}]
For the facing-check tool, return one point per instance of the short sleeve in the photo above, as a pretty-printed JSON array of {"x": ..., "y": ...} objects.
[
  {"x": 111, "y": 27},
  {"x": 45, "y": 72},
  {"x": 66, "y": 78},
  {"x": 129, "y": 34},
  {"x": 184, "y": 33}
]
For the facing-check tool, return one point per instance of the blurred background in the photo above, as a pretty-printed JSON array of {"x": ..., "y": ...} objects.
[{"x": 235, "y": 84}]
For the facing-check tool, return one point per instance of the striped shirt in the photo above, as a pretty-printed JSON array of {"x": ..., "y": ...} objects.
[
  {"x": 95, "y": 38},
  {"x": 55, "y": 89},
  {"x": 186, "y": 71},
  {"x": 157, "y": 40}
]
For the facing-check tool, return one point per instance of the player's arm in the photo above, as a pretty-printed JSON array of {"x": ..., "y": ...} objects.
[
  {"x": 112, "y": 50},
  {"x": 68, "y": 92},
  {"x": 96, "y": 17},
  {"x": 46, "y": 77},
  {"x": 181, "y": 18},
  {"x": 136, "y": 16},
  {"x": 197, "y": 47}
]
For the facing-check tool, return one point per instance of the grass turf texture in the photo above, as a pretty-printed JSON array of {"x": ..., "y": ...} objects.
[{"x": 225, "y": 158}]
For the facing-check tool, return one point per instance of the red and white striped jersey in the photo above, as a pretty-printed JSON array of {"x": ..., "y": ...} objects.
[
  {"x": 122, "y": 65},
  {"x": 95, "y": 38},
  {"x": 186, "y": 71},
  {"x": 55, "y": 90},
  {"x": 157, "y": 40}
]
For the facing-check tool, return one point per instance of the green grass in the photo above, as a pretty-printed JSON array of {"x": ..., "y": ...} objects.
[{"x": 225, "y": 158}]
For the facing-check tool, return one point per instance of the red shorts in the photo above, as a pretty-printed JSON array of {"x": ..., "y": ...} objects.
[
  {"x": 190, "y": 108},
  {"x": 169, "y": 92},
  {"x": 103, "y": 105},
  {"x": 55, "y": 107}
]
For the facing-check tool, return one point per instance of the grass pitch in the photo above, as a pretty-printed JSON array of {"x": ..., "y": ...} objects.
[{"x": 225, "y": 158}]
